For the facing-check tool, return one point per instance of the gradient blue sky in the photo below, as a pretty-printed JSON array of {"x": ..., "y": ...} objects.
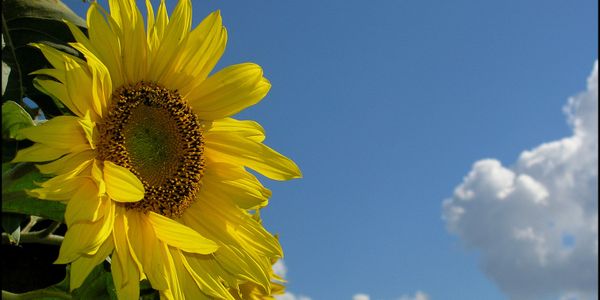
[{"x": 385, "y": 105}]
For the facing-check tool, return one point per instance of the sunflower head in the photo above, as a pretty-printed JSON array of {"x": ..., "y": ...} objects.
[
  {"x": 151, "y": 164},
  {"x": 153, "y": 132}
]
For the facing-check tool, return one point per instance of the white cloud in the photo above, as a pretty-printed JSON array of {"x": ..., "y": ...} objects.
[
  {"x": 290, "y": 296},
  {"x": 535, "y": 222},
  {"x": 361, "y": 297},
  {"x": 418, "y": 296},
  {"x": 281, "y": 269},
  {"x": 576, "y": 296}
]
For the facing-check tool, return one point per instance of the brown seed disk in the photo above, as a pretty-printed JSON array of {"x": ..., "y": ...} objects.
[{"x": 151, "y": 131}]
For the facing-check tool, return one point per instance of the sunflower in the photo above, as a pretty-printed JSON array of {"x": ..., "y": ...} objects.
[
  {"x": 150, "y": 163},
  {"x": 253, "y": 291}
]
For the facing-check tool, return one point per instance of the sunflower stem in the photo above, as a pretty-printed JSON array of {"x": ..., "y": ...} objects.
[
  {"x": 50, "y": 229},
  {"x": 37, "y": 294},
  {"x": 33, "y": 220},
  {"x": 38, "y": 237}
]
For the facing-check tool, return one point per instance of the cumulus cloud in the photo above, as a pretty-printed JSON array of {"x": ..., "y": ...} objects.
[
  {"x": 281, "y": 269},
  {"x": 290, "y": 296},
  {"x": 418, "y": 296},
  {"x": 361, "y": 297},
  {"x": 535, "y": 222}
]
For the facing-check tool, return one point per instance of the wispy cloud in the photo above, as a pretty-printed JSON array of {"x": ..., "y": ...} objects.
[
  {"x": 419, "y": 295},
  {"x": 535, "y": 222}
]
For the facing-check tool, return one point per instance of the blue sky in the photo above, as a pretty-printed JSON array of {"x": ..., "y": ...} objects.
[{"x": 386, "y": 106}]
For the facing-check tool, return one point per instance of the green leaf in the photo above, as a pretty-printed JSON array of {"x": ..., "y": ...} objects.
[
  {"x": 95, "y": 285},
  {"x": 24, "y": 22},
  {"x": 100, "y": 285},
  {"x": 20, "y": 177},
  {"x": 14, "y": 117},
  {"x": 20, "y": 202},
  {"x": 147, "y": 292},
  {"x": 110, "y": 287}
]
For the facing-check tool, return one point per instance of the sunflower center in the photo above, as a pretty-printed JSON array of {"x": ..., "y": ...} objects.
[
  {"x": 151, "y": 131},
  {"x": 153, "y": 143}
]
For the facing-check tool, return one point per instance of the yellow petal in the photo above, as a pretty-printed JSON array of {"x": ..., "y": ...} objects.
[
  {"x": 248, "y": 129},
  {"x": 82, "y": 267},
  {"x": 150, "y": 32},
  {"x": 86, "y": 238},
  {"x": 175, "y": 33},
  {"x": 211, "y": 49},
  {"x": 249, "y": 234},
  {"x": 180, "y": 236},
  {"x": 229, "y": 91},
  {"x": 179, "y": 24},
  {"x": 58, "y": 92},
  {"x": 66, "y": 163},
  {"x": 146, "y": 247},
  {"x": 79, "y": 84},
  {"x": 126, "y": 277},
  {"x": 81, "y": 169},
  {"x": 98, "y": 176},
  {"x": 60, "y": 190},
  {"x": 55, "y": 56},
  {"x": 233, "y": 182},
  {"x": 175, "y": 290},
  {"x": 162, "y": 20},
  {"x": 198, "y": 277},
  {"x": 190, "y": 288},
  {"x": 240, "y": 262},
  {"x": 85, "y": 205},
  {"x": 88, "y": 127},
  {"x": 55, "y": 73},
  {"x": 105, "y": 42},
  {"x": 199, "y": 55},
  {"x": 84, "y": 167},
  {"x": 134, "y": 46},
  {"x": 39, "y": 153},
  {"x": 70, "y": 67},
  {"x": 79, "y": 36},
  {"x": 93, "y": 27},
  {"x": 123, "y": 244},
  {"x": 121, "y": 184},
  {"x": 101, "y": 91},
  {"x": 234, "y": 149},
  {"x": 121, "y": 248},
  {"x": 62, "y": 132},
  {"x": 219, "y": 218}
]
